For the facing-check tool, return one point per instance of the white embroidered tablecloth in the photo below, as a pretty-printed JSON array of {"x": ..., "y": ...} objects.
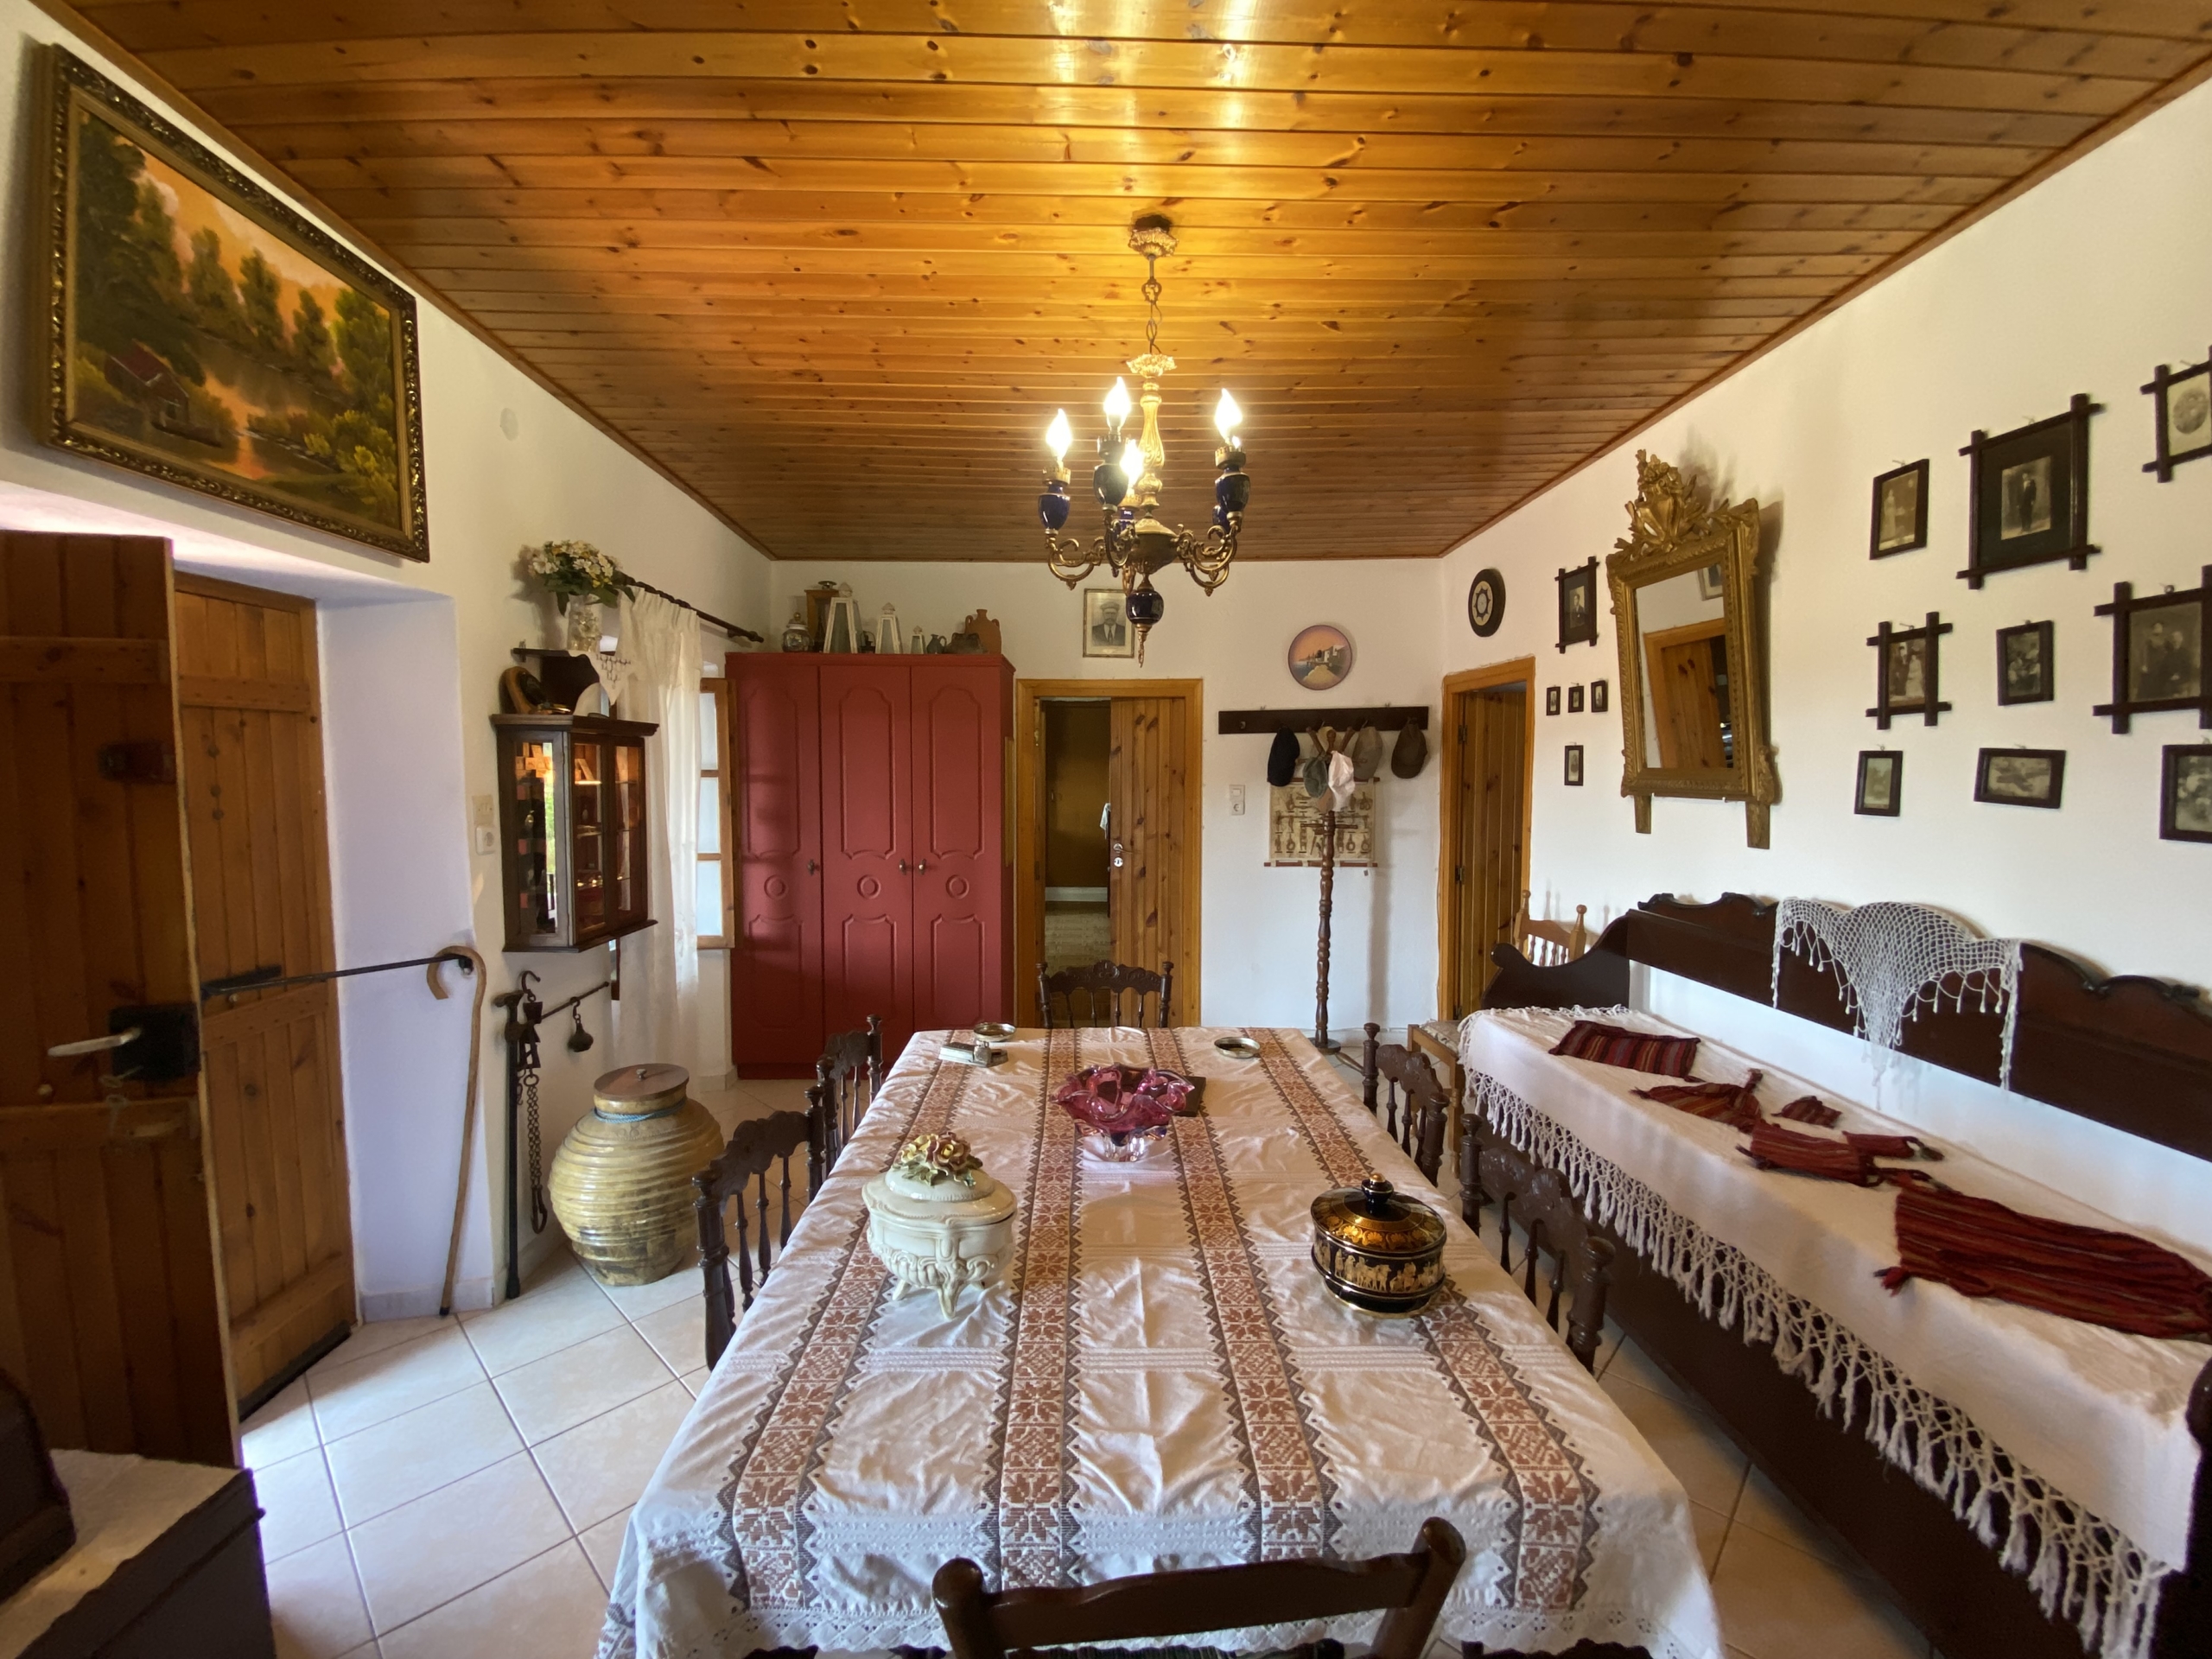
[
  {"x": 1164, "y": 1381},
  {"x": 2095, "y": 1414}
]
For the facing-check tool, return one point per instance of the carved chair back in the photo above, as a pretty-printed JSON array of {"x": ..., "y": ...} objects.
[
  {"x": 755, "y": 1149},
  {"x": 1401, "y": 1088},
  {"x": 980, "y": 1624},
  {"x": 1493, "y": 1170},
  {"x": 846, "y": 1080},
  {"x": 1547, "y": 945},
  {"x": 1100, "y": 988}
]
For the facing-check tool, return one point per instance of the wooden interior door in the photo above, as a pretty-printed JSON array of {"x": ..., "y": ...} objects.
[
  {"x": 1489, "y": 728},
  {"x": 250, "y": 705},
  {"x": 868, "y": 891},
  {"x": 1686, "y": 666},
  {"x": 110, "y": 1312},
  {"x": 959, "y": 875},
  {"x": 775, "y": 814},
  {"x": 1148, "y": 771}
]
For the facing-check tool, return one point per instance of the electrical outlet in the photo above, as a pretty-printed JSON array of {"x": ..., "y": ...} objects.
[
  {"x": 1236, "y": 800},
  {"x": 487, "y": 842}
]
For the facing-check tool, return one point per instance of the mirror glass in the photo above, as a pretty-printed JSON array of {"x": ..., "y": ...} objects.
[{"x": 1689, "y": 722}]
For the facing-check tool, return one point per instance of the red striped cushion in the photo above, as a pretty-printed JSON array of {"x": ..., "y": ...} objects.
[
  {"x": 1809, "y": 1108},
  {"x": 1633, "y": 1051},
  {"x": 1737, "y": 1104}
]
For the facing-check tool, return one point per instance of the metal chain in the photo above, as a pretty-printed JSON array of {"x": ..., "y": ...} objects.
[{"x": 527, "y": 1072}]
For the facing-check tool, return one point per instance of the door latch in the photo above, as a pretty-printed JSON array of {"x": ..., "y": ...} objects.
[{"x": 158, "y": 1043}]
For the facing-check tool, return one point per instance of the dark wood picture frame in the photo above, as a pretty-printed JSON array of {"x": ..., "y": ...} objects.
[
  {"x": 1551, "y": 699},
  {"x": 2010, "y": 689},
  {"x": 1887, "y": 639},
  {"x": 2177, "y": 771},
  {"x": 1574, "y": 699},
  {"x": 2057, "y": 496},
  {"x": 1989, "y": 759},
  {"x": 1581, "y": 580},
  {"x": 1487, "y": 602},
  {"x": 2124, "y": 610},
  {"x": 1601, "y": 697},
  {"x": 1572, "y": 770},
  {"x": 1917, "y": 472},
  {"x": 2171, "y": 393},
  {"x": 1886, "y": 805},
  {"x": 349, "y": 366}
]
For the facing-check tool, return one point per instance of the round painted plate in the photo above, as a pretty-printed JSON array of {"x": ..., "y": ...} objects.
[
  {"x": 1241, "y": 1048},
  {"x": 1320, "y": 657}
]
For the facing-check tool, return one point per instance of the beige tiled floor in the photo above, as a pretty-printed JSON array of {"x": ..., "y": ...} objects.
[{"x": 457, "y": 1490}]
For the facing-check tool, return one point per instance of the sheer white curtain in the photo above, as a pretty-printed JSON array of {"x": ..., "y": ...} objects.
[{"x": 660, "y": 1012}]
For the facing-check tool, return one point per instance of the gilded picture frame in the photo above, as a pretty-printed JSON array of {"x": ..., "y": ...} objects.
[
  {"x": 199, "y": 331},
  {"x": 1673, "y": 531}
]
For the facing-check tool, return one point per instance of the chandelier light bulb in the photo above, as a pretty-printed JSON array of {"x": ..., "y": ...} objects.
[
  {"x": 1227, "y": 418},
  {"x": 1132, "y": 461},
  {"x": 1058, "y": 436},
  {"x": 1117, "y": 404}
]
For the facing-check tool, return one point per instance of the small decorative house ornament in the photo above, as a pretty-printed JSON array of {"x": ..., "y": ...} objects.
[
  {"x": 890, "y": 639},
  {"x": 938, "y": 1221}
]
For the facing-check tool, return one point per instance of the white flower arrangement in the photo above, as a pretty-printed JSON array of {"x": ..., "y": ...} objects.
[{"x": 576, "y": 570}]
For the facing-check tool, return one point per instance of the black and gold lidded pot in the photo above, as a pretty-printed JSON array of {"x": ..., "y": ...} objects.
[{"x": 1377, "y": 1249}]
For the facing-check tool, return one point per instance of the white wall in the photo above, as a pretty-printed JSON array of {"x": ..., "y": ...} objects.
[
  {"x": 1258, "y": 924},
  {"x": 412, "y": 657},
  {"x": 2083, "y": 285}
]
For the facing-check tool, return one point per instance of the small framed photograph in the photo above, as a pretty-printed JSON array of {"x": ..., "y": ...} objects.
[
  {"x": 1573, "y": 699},
  {"x": 1900, "y": 511},
  {"x": 1578, "y": 605},
  {"x": 1551, "y": 699},
  {"x": 1601, "y": 697},
  {"x": 2030, "y": 495},
  {"x": 2025, "y": 669},
  {"x": 1574, "y": 766},
  {"x": 2020, "y": 777},
  {"x": 2182, "y": 412},
  {"x": 1881, "y": 775},
  {"x": 1710, "y": 584},
  {"x": 2158, "y": 652},
  {"x": 2185, "y": 792},
  {"x": 1906, "y": 663},
  {"x": 1106, "y": 630}
]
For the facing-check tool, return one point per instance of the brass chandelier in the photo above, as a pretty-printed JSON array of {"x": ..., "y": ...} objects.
[{"x": 1133, "y": 543}]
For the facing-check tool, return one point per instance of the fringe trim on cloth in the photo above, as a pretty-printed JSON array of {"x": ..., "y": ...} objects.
[
  {"x": 2082, "y": 1570},
  {"x": 1894, "y": 960}
]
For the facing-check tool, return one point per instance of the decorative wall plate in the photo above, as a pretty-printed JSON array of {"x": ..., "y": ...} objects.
[
  {"x": 1487, "y": 602},
  {"x": 1321, "y": 656}
]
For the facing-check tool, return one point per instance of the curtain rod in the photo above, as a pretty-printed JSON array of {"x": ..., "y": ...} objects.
[{"x": 707, "y": 617}]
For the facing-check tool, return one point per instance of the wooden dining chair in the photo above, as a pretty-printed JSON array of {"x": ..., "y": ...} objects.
[
  {"x": 1103, "y": 985},
  {"x": 754, "y": 1148},
  {"x": 1547, "y": 945},
  {"x": 980, "y": 1624},
  {"x": 1401, "y": 1088},
  {"x": 846, "y": 1080},
  {"x": 1494, "y": 1171}
]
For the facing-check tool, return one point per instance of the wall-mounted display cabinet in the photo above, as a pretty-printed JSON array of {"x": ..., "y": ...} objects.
[{"x": 572, "y": 824}]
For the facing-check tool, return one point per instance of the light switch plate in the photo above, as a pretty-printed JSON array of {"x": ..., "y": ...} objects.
[
  {"x": 483, "y": 814},
  {"x": 1236, "y": 800}
]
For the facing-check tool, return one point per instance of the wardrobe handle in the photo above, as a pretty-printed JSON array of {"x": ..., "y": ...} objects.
[
  {"x": 921, "y": 866},
  {"x": 902, "y": 866},
  {"x": 810, "y": 866}
]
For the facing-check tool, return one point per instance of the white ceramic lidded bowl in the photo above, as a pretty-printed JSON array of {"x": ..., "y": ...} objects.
[{"x": 938, "y": 1221}]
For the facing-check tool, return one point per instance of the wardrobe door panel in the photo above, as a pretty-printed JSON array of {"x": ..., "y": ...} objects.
[
  {"x": 959, "y": 881},
  {"x": 775, "y": 1015},
  {"x": 867, "y": 794}
]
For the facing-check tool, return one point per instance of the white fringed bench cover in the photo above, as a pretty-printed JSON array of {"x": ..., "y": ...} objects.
[{"x": 2077, "y": 1427}]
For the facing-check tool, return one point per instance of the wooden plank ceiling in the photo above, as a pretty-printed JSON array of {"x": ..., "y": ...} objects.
[{"x": 834, "y": 265}]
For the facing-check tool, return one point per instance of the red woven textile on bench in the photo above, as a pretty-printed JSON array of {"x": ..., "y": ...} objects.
[
  {"x": 1981, "y": 1248},
  {"x": 1809, "y": 1108},
  {"x": 1774, "y": 1148},
  {"x": 1735, "y": 1105},
  {"x": 1633, "y": 1051}
]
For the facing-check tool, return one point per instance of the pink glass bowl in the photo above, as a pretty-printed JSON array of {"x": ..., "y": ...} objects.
[{"x": 1123, "y": 1110}]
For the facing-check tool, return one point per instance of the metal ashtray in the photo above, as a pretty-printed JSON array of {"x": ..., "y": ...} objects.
[
  {"x": 1238, "y": 1047},
  {"x": 975, "y": 1052},
  {"x": 994, "y": 1031}
]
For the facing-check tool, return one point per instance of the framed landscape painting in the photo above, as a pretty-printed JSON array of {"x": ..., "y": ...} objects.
[{"x": 200, "y": 331}]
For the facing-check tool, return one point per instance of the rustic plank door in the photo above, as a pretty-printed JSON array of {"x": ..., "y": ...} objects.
[
  {"x": 250, "y": 705},
  {"x": 1491, "y": 854},
  {"x": 110, "y": 1312},
  {"x": 1147, "y": 771}
]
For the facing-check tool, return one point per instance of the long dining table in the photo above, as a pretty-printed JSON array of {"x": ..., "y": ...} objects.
[{"x": 1162, "y": 1380}]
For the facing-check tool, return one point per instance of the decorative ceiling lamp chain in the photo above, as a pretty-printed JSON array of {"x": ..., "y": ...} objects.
[{"x": 1126, "y": 480}]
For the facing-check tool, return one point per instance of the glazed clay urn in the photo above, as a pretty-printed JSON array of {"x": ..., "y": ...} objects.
[
  {"x": 1377, "y": 1249},
  {"x": 938, "y": 1222},
  {"x": 621, "y": 1182}
]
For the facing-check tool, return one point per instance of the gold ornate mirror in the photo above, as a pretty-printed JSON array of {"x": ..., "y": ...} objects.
[{"x": 1693, "y": 659}]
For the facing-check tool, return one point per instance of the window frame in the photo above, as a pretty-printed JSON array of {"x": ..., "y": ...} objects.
[{"x": 718, "y": 686}]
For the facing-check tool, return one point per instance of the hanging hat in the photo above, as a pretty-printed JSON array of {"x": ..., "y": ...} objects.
[
  {"x": 1317, "y": 777},
  {"x": 1365, "y": 749},
  {"x": 1328, "y": 739},
  {"x": 1341, "y": 781},
  {"x": 1282, "y": 759},
  {"x": 1410, "y": 754}
]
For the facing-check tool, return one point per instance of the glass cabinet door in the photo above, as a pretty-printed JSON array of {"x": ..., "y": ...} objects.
[
  {"x": 627, "y": 870},
  {"x": 534, "y": 825},
  {"x": 590, "y": 824}
]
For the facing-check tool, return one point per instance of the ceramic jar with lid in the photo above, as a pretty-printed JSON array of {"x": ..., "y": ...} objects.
[
  {"x": 938, "y": 1222},
  {"x": 621, "y": 1182},
  {"x": 1377, "y": 1249}
]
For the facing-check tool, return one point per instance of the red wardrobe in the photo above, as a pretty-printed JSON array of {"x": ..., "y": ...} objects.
[{"x": 873, "y": 872}]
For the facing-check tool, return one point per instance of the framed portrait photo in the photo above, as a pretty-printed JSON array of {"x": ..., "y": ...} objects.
[
  {"x": 1578, "y": 605},
  {"x": 1907, "y": 662},
  {"x": 1573, "y": 699},
  {"x": 199, "y": 331},
  {"x": 1601, "y": 697},
  {"x": 1551, "y": 699},
  {"x": 2020, "y": 777},
  {"x": 2185, "y": 792},
  {"x": 1900, "y": 511},
  {"x": 2026, "y": 672},
  {"x": 1574, "y": 766},
  {"x": 1881, "y": 777},
  {"x": 2030, "y": 495},
  {"x": 1487, "y": 602},
  {"x": 2181, "y": 416},
  {"x": 2158, "y": 652},
  {"x": 1106, "y": 630}
]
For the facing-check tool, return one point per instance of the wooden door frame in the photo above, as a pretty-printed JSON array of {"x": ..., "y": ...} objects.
[
  {"x": 1026, "y": 806},
  {"x": 1451, "y": 823}
]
